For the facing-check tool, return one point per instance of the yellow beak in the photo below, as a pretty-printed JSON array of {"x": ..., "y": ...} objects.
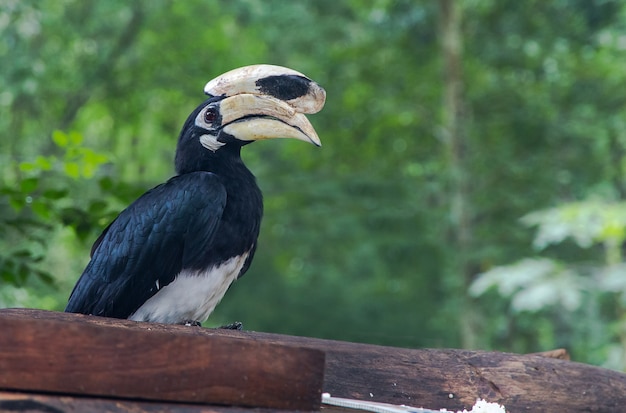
[{"x": 250, "y": 117}]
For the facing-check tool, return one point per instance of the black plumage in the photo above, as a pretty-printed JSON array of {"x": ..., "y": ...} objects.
[
  {"x": 208, "y": 213},
  {"x": 172, "y": 254}
]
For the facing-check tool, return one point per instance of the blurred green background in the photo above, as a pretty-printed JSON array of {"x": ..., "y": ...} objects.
[{"x": 470, "y": 193}]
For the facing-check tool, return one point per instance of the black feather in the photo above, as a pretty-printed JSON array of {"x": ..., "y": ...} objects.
[
  {"x": 169, "y": 228},
  {"x": 208, "y": 214}
]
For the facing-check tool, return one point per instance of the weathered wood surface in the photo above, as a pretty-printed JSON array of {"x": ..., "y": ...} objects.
[
  {"x": 73, "y": 354},
  {"x": 451, "y": 379},
  {"x": 454, "y": 379},
  {"x": 11, "y": 401}
]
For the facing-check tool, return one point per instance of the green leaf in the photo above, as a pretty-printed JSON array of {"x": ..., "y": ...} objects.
[
  {"x": 106, "y": 183},
  {"x": 60, "y": 138},
  {"x": 45, "y": 277},
  {"x": 72, "y": 169},
  {"x": 88, "y": 170},
  {"x": 75, "y": 138},
  {"x": 28, "y": 185},
  {"x": 44, "y": 163},
  {"x": 27, "y": 166},
  {"x": 17, "y": 203},
  {"x": 23, "y": 253},
  {"x": 97, "y": 207},
  {"x": 55, "y": 194},
  {"x": 94, "y": 158},
  {"x": 22, "y": 273},
  {"x": 41, "y": 209}
]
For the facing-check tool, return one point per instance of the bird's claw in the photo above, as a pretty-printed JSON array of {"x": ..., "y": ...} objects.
[
  {"x": 192, "y": 323},
  {"x": 237, "y": 325}
]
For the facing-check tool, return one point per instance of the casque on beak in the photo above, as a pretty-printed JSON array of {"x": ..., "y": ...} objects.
[
  {"x": 288, "y": 85},
  {"x": 267, "y": 101}
]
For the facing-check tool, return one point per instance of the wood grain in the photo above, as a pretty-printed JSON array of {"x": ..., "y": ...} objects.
[
  {"x": 75, "y": 354},
  {"x": 46, "y": 403},
  {"x": 12, "y": 401},
  {"x": 454, "y": 379},
  {"x": 431, "y": 378}
]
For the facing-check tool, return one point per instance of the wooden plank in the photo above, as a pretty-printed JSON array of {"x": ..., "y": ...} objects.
[
  {"x": 82, "y": 355},
  {"x": 47, "y": 403},
  {"x": 12, "y": 401},
  {"x": 454, "y": 379},
  {"x": 432, "y": 378}
]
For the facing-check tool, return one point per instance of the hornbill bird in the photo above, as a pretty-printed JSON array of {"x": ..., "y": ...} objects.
[{"x": 172, "y": 254}]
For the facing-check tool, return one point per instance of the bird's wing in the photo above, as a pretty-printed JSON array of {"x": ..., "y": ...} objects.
[{"x": 162, "y": 232}]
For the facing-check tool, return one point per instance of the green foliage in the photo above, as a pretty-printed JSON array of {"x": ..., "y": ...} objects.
[
  {"x": 591, "y": 292},
  {"x": 356, "y": 241},
  {"x": 42, "y": 199},
  {"x": 587, "y": 223},
  {"x": 39, "y": 197}
]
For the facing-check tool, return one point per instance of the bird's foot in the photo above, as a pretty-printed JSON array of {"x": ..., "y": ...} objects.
[
  {"x": 237, "y": 325},
  {"x": 192, "y": 323}
]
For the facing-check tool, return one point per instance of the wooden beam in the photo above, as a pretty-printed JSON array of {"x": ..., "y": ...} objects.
[
  {"x": 454, "y": 379},
  {"x": 11, "y": 401},
  {"x": 82, "y": 355},
  {"x": 429, "y": 378}
]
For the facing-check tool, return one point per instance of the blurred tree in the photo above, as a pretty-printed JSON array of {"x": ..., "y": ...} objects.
[
  {"x": 356, "y": 242},
  {"x": 454, "y": 137},
  {"x": 587, "y": 301}
]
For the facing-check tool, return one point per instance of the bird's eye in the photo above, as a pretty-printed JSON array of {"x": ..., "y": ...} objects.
[{"x": 210, "y": 115}]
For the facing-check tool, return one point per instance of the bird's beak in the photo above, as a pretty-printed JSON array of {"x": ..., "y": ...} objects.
[{"x": 250, "y": 117}]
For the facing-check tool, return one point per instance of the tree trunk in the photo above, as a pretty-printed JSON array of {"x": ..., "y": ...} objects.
[{"x": 454, "y": 138}]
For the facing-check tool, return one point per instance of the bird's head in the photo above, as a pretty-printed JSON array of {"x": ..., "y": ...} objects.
[{"x": 246, "y": 105}]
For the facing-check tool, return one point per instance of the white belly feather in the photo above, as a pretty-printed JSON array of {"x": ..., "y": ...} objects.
[{"x": 192, "y": 296}]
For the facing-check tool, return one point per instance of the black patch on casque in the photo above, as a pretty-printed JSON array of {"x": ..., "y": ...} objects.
[{"x": 284, "y": 87}]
